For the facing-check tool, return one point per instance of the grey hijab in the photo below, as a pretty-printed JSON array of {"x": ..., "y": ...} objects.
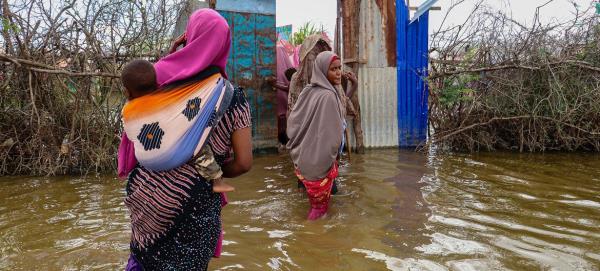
[
  {"x": 311, "y": 47},
  {"x": 315, "y": 125}
]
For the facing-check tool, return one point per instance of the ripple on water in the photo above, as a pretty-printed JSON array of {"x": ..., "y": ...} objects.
[
  {"x": 276, "y": 262},
  {"x": 62, "y": 216},
  {"x": 546, "y": 256},
  {"x": 457, "y": 222},
  {"x": 526, "y": 196},
  {"x": 507, "y": 225},
  {"x": 279, "y": 233},
  {"x": 474, "y": 265},
  {"x": 397, "y": 264},
  {"x": 248, "y": 228},
  {"x": 583, "y": 203},
  {"x": 229, "y": 242},
  {"x": 231, "y": 267},
  {"x": 444, "y": 245},
  {"x": 70, "y": 243}
]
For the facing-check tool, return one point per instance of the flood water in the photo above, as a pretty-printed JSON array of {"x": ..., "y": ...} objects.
[{"x": 396, "y": 210}]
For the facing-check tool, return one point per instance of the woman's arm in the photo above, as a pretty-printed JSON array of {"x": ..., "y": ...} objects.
[
  {"x": 273, "y": 81},
  {"x": 241, "y": 142},
  {"x": 282, "y": 87},
  {"x": 181, "y": 40}
]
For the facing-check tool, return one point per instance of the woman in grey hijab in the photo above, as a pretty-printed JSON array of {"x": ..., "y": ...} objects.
[
  {"x": 311, "y": 47},
  {"x": 315, "y": 128}
]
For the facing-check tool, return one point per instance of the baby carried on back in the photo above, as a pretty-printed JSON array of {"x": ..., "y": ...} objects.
[{"x": 171, "y": 126}]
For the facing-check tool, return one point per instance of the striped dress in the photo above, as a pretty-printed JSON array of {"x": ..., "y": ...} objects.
[{"x": 175, "y": 216}]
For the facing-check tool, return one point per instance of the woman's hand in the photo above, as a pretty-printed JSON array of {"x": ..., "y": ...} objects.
[
  {"x": 271, "y": 80},
  {"x": 351, "y": 77},
  {"x": 241, "y": 142},
  {"x": 181, "y": 40}
]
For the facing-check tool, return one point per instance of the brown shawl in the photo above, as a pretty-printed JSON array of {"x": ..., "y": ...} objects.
[{"x": 315, "y": 125}]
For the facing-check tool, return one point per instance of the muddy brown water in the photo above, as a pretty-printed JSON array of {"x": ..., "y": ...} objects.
[{"x": 396, "y": 210}]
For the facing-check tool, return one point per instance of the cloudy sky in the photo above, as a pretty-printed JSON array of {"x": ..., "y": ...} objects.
[{"x": 323, "y": 11}]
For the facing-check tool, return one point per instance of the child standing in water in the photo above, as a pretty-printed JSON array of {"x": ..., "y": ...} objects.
[{"x": 139, "y": 79}]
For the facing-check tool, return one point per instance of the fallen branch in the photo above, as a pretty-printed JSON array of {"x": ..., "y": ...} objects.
[
  {"x": 76, "y": 74},
  {"x": 486, "y": 69},
  {"x": 580, "y": 64},
  {"x": 28, "y": 64}
]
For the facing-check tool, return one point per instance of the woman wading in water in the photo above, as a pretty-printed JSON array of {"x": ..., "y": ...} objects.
[
  {"x": 175, "y": 215},
  {"x": 315, "y": 128}
]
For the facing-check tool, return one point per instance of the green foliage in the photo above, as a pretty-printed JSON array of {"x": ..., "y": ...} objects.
[
  {"x": 457, "y": 89},
  {"x": 304, "y": 31},
  {"x": 8, "y": 26}
]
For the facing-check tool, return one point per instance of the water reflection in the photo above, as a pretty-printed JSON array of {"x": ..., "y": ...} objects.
[{"x": 396, "y": 210}]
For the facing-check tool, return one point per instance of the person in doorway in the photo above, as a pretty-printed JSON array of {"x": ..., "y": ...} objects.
[
  {"x": 316, "y": 131},
  {"x": 175, "y": 215},
  {"x": 282, "y": 99},
  {"x": 282, "y": 85}
]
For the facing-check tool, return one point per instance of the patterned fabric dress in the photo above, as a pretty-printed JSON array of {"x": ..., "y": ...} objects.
[{"x": 175, "y": 215}]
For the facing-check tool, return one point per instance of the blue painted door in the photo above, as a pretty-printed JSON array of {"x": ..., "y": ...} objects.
[{"x": 252, "y": 60}]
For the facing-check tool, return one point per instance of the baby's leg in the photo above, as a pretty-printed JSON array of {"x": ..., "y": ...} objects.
[{"x": 220, "y": 186}]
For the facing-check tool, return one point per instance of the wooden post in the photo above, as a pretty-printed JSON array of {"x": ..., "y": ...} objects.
[{"x": 350, "y": 26}]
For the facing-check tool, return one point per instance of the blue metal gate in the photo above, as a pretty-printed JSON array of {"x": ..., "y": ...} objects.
[{"x": 412, "y": 64}]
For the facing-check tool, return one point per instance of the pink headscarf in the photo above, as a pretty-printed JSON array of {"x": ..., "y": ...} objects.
[
  {"x": 208, "y": 41},
  {"x": 283, "y": 63},
  {"x": 296, "y": 57}
]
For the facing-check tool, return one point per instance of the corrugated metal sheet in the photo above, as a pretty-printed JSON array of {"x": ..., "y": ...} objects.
[
  {"x": 377, "y": 92},
  {"x": 378, "y": 96},
  {"x": 371, "y": 39},
  {"x": 412, "y": 53},
  {"x": 251, "y": 61},
  {"x": 377, "y": 44}
]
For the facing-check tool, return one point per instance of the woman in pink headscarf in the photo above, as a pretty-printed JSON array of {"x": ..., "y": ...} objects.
[
  {"x": 175, "y": 215},
  {"x": 285, "y": 69}
]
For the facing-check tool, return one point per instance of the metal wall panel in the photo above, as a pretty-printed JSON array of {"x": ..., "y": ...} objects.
[
  {"x": 412, "y": 59},
  {"x": 377, "y": 39},
  {"x": 371, "y": 36},
  {"x": 377, "y": 92},
  {"x": 378, "y": 101}
]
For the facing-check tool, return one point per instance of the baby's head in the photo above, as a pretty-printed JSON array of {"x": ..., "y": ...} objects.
[{"x": 139, "y": 78}]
